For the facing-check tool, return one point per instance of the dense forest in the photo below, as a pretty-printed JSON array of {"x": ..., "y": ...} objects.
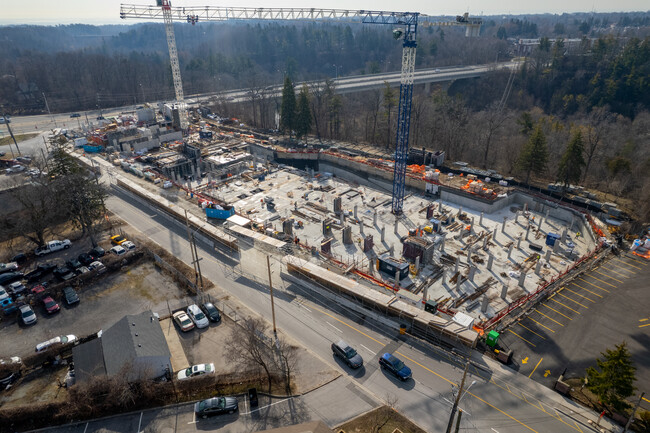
[{"x": 585, "y": 82}]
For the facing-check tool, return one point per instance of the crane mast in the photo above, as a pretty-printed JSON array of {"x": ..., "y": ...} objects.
[{"x": 407, "y": 22}]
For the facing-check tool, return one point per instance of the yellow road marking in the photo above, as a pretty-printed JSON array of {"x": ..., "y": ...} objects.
[
  {"x": 551, "y": 308},
  {"x": 509, "y": 416},
  {"x": 578, "y": 427},
  {"x": 573, "y": 300},
  {"x": 644, "y": 320},
  {"x": 643, "y": 326},
  {"x": 565, "y": 306},
  {"x": 537, "y": 311},
  {"x": 628, "y": 264},
  {"x": 543, "y": 326},
  {"x": 636, "y": 260},
  {"x": 602, "y": 281},
  {"x": 521, "y": 337},
  {"x": 525, "y": 327},
  {"x": 646, "y": 399},
  {"x": 531, "y": 373},
  {"x": 612, "y": 278},
  {"x": 584, "y": 288},
  {"x": 620, "y": 273}
]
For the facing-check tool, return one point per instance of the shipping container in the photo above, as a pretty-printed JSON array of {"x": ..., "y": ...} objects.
[{"x": 390, "y": 265}]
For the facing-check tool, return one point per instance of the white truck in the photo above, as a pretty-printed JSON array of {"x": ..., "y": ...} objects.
[{"x": 52, "y": 246}]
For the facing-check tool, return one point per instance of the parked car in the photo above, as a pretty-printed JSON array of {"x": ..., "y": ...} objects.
[
  {"x": 85, "y": 259},
  {"x": 128, "y": 245},
  {"x": 183, "y": 321},
  {"x": 118, "y": 250},
  {"x": 51, "y": 306},
  {"x": 40, "y": 271},
  {"x": 71, "y": 296},
  {"x": 8, "y": 306},
  {"x": 15, "y": 169},
  {"x": 97, "y": 252},
  {"x": 38, "y": 289},
  {"x": 75, "y": 115},
  {"x": 197, "y": 316},
  {"x": 10, "y": 277},
  {"x": 3, "y": 293},
  {"x": 395, "y": 366},
  {"x": 63, "y": 339},
  {"x": 211, "y": 311},
  {"x": 195, "y": 370},
  {"x": 63, "y": 273},
  {"x": 16, "y": 288},
  {"x": 350, "y": 356},
  {"x": 118, "y": 239},
  {"x": 100, "y": 117},
  {"x": 52, "y": 246},
  {"x": 12, "y": 360},
  {"x": 97, "y": 266},
  {"x": 73, "y": 264},
  {"x": 19, "y": 258},
  {"x": 47, "y": 266},
  {"x": 82, "y": 270},
  {"x": 27, "y": 315},
  {"x": 24, "y": 159},
  {"x": 8, "y": 267},
  {"x": 216, "y": 406}
]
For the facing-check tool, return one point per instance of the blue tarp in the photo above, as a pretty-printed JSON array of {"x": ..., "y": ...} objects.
[
  {"x": 221, "y": 214},
  {"x": 92, "y": 149}
]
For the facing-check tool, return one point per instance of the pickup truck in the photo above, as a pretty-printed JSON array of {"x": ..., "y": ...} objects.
[{"x": 52, "y": 246}]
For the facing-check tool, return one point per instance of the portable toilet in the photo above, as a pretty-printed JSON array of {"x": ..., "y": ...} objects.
[
  {"x": 551, "y": 238},
  {"x": 492, "y": 338}
]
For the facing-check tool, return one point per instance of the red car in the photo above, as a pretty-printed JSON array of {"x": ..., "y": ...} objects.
[
  {"x": 37, "y": 290},
  {"x": 50, "y": 304}
]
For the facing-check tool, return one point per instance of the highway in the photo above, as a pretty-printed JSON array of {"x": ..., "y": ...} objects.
[
  {"x": 25, "y": 124},
  {"x": 498, "y": 400}
]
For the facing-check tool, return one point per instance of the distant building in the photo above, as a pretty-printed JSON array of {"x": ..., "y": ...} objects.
[{"x": 134, "y": 345}]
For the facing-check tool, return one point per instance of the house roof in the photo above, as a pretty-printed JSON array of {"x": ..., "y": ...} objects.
[
  {"x": 88, "y": 360},
  {"x": 132, "y": 337}
]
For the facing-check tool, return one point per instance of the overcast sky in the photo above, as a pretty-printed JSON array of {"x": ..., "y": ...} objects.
[{"x": 108, "y": 11}]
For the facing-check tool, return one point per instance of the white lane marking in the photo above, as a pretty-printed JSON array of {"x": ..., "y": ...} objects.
[
  {"x": 374, "y": 353},
  {"x": 494, "y": 430},
  {"x": 140, "y": 422},
  {"x": 86, "y": 428},
  {"x": 305, "y": 308},
  {"x": 268, "y": 405},
  {"x": 194, "y": 420},
  {"x": 334, "y": 327}
]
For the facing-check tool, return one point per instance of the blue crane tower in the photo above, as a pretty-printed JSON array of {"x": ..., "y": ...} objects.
[{"x": 406, "y": 23}]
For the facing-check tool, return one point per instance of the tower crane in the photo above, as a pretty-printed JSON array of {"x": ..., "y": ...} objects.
[{"x": 406, "y": 24}]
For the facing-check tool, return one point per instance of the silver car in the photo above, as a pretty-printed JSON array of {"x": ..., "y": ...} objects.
[{"x": 27, "y": 315}]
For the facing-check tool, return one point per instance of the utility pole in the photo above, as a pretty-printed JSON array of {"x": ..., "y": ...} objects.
[
  {"x": 12, "y": 134},
  {"x": 189, "y": 238},
  {"x": 629, "y": 421},
  {"x": 198, "y": 264},
  {"x": 460, "y": 415},
  {"x": 48, "y": 109},
  {"x": 268, "y": 265},
  {"x": 455, "y": 406}
]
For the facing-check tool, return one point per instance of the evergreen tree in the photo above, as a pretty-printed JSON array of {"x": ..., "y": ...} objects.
[
  {"x": 303, "y": 116},
  {"x": 613, "y": 380},
  {"x": 570, "y": 168},
  {"x": 534, "y": 155},
  {"x": 288, "y": 108},
  {"x": 525, "y": 121}
]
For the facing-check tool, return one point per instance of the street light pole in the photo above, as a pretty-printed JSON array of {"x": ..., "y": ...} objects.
[
  {"x": 48, "y": 109},
  {"x": 455, "y": 406},
  {"x": 7, "y": 121},
  {"x": 268, "y": 265}
]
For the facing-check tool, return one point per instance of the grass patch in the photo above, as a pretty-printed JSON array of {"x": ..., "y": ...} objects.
[
  {"x": 19, "y": 138},
  {"x": 384, "y": 419}
]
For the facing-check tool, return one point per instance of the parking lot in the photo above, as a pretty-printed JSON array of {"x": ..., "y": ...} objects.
[{"x": 595, "y": 312}]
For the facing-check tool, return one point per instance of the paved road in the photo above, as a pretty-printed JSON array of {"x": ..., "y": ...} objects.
[
  {"x": 604, "y": 307},
  {"x": 499, "y": 399}
]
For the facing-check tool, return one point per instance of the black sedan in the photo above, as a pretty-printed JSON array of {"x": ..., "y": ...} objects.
[
  {"x": 211, "y": 311},
  {"x": 71, "y": 296},
  {"x": 97, "y": 252},
  {"x": 216, "y": 406},
  {"x": 10, "y": 277},
  {"x": 347, "y": 354},
  {"x": 85, "y": 259},
  {"x": 63, "y": 273}
]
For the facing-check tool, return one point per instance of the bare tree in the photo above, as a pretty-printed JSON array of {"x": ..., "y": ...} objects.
[
  {"x": 286, "y": 361},
  {"x": 248, "y": 348},
  {"x": 381, "y": 416},
  {"x": 597, "y": 123}
]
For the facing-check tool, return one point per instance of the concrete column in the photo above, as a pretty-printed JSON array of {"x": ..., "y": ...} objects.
[
  {"x": 480, "y": 220},
  {"x": 472, "y": 271},
  {"x": 539, "y": 225},
  {"x": 485, "y": 239},
  {"x": 471, "y": 225},
  {"x": 361, "y": 227},
  {"x": 383, "y": 233},
  {"x": 503, "y": 226},
  {"x": 556, "y": 247},
  {"x": 444, "y": 277},
  {"x": 442, "y": 244},
  {"x": 391, "y": 250},
  {"x": 517, "y": 217},
  {"x": 371, "y": 266},
  {"x": 342, "y": 218},
  {"x": 440, "y": 207},
  {"x": 355, "y": 211},
  {"x": 417, "y": 263},
  {"x": 538, "y": 266},
  {"x": 572, "y": 221},
  {"x": 396, "y": 222},
  {"x": 458, "y": 284},
  {"x": 460, "y": 210},
  {"x": 490, "y": 261},
  {"x": 425, "y": 294},
  {"x": 522, "y": 279},
  {"x": 525, "y": 207},
  {"x": 564, "y": 232},
  {"x": 546, "y": 215},
  {"x": 494, "y": 234},
  {"x": 397, "y": 278},
  {"x": 527, "y": 230},
  {"x": 469, "y": 256},
  {"x": 484, "y": 304},
  {"x": 504, "y": 291},
  {"x": 510, "y": 249},
  {"x": 457, "y": 263},
  {"x": 374, "y": 218},
  {"x": 548, "y": 255},
  {"x": 519, "y": 242}
]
